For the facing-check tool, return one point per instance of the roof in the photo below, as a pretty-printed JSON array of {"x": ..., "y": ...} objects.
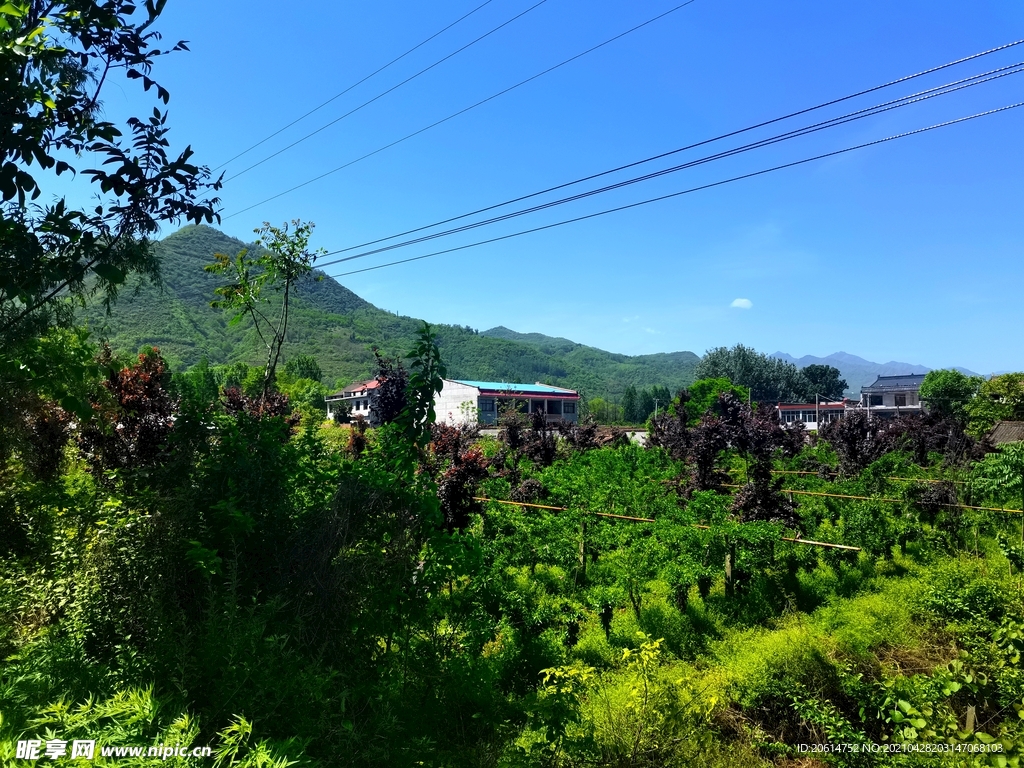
[
  {"x": 811, "y": 406},
  {"x": 518, "y": 389},
  {"x": 355, "y": 386},
  {"x": 1007, "y": 432},
  {"x": 906, "y": 381}
]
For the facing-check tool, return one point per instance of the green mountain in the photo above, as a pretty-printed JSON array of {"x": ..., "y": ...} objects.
[
  {"x": 338, "y": 328},
  {"x": 664, "y": 368}
]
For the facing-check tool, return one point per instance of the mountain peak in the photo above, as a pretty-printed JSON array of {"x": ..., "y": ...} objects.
[
  {"x": 857, "y": 371},
  {"x": 338, "y": 328}
]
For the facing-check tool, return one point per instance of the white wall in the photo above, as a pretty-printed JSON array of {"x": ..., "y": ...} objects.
[{"x": 455, "y": 404}]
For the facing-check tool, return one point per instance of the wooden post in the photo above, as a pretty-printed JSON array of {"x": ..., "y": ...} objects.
[{"x": 730, "y": 561}]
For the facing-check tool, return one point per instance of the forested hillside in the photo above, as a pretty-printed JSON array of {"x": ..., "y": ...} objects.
[{"x": 338, "y": 328}]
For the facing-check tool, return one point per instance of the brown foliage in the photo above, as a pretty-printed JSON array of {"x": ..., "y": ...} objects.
[
  {"x": 133, "y": 421},
  {"x": 458, "y": 468},
  {"x": 49, "y": 429}
]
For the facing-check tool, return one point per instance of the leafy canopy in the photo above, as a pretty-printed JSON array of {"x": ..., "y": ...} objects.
[
  {"x": 947, "y": 392},
  {"x": 767, "y": 378},
  {"x": 56, "y": 58}
]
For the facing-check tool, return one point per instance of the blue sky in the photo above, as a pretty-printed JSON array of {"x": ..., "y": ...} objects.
[{"x": 910, "y": 251}]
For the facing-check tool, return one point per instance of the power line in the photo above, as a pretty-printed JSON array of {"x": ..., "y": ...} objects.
[
  {"x": 806, "y": 130},
  {"x": 680, "y": 149},
  {"x": 688, "y": 191},
  {"x": 463, "y": 111},
  {"x": 358, "y": 82},
  {"x": 389, "y": 90}
]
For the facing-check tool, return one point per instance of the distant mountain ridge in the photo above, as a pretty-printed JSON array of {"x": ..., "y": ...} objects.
[
  {"x": 339, "y": 328},
  {"x": 559, "y": 345},
  {"x": 857, "y": 371}
]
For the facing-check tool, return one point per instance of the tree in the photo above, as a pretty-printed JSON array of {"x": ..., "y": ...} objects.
[
  {"x": 392, "y": 381},
  {"x": 645, "y": 405},
  {"x": 824, "y": 380},
  {"x": 277, "y": 266},
  {"x": 702, "y": 396},
  {"x": 132, "y": 423},
  {"x": 56, "y": 59},
  {"x": 768, "y": 379},
  {"x": 197, "y": 388},
  {"x": 305, "y": 367},
  {"x": 604, "y": 412},
  {"x": 1002, "y": 473},
  {"x": 947, "y": 392},
  {"x": 662, "y": 397},
  {"x": 757, "y": 433},
  {"x": 999, "y": 398},
  {"x": 630, "y": 405}
]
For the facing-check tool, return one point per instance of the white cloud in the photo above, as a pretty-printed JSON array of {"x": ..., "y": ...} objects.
[
  {"x": 742, "y": 303},
  {"x": 651, "y": 330}
]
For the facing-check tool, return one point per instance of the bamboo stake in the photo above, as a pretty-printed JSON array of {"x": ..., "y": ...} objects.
[{"x": 809, "y": 542}]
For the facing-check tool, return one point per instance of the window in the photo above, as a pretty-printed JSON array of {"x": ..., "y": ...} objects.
[
  {"x": 486, "y": 405},
  {"x": 555, "y": 407},
  {"x": 568, "y": 407},
  {"x": 901, "y": 401},
  {"x": 874, "y": 399}
]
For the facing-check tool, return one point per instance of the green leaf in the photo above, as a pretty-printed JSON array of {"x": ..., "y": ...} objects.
[{"x": 109, "y": 272}]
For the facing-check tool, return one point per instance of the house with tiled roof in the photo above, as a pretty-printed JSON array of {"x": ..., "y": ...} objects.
[
  {"x": 462, "y": 402},
  {"x": 355, "y": 399},
  {"x": 1006, "y": 432},
  {"x": 891, "y": 396}
]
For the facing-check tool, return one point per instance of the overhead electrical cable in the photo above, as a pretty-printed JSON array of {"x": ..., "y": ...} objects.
[
  {"x": 680, "y": 149},
  {"x": 807, "y": 130},
  {"x": 466, "y": 109},
  {"x": 389, "y": 90},
  {"x": 702, "y": 187},
  {"x": 338, "y": 95}
]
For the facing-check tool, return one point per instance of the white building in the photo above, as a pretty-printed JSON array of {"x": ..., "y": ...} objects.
[
  {"x": 463, "y": 402},
  {"x": 891, "y": 396},
  {"x": 356, "y": 398},
  {"x": 812, "y": 415}
]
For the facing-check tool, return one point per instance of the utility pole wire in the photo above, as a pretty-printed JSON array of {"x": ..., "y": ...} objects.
[
  {"x": 690, "y": 190},
  {"x": 806, "y": 130},
  {"x": 629, "y": 165},
  {"x": 389, "y": 90},
  {"x": 358, "y": 82},
  {"x": 462, "y": 111}
]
